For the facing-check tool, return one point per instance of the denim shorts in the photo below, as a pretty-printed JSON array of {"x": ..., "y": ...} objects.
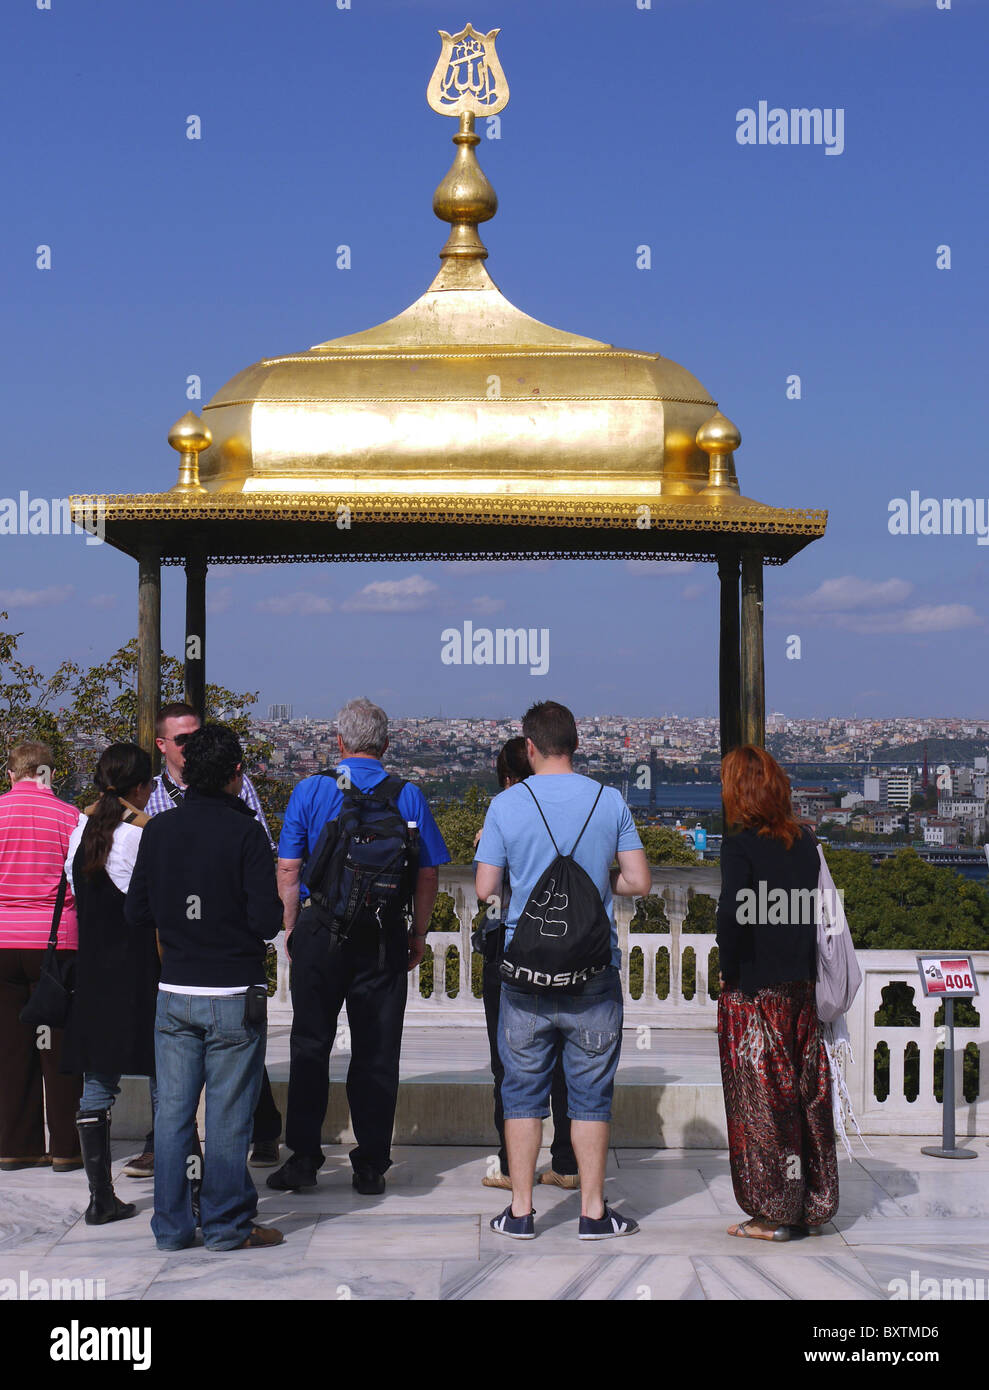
[{"x": 590, "y": 1025}]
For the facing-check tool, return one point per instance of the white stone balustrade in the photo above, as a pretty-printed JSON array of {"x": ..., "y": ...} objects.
[{"x": 676, "y": 886}]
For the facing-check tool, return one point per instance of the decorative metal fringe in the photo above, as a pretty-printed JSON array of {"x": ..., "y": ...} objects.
[{"x": 838, "y": 1046}]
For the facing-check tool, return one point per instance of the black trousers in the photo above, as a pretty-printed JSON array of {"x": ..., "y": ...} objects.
[
  {"x": 324, "y": 976},
  {"x": 33, "y": 1087},
  {"x": 267, "y": 1119},
  {"x": 564, "y": 1161}
]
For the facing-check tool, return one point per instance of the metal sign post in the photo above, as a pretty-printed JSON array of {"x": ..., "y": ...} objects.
[{"x": 950, "y": 978}]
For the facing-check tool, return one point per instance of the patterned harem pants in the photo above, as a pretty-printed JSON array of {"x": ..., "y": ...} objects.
[{"x": 777, "y": 1087}]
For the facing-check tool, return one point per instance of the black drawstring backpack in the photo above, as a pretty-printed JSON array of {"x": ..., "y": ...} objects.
[{"x": 562, "y": 938}]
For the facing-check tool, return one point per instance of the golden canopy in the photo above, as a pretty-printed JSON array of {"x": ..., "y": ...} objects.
[
  {"x": 462, "y": 428},
  {"x": 460, "y": 392},
  {"x": 460, "y": 409}
]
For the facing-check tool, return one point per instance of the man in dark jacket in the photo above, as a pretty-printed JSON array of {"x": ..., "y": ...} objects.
[{"x": 205, "y": 881}]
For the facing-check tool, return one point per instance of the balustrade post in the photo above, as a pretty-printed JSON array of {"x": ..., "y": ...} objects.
[
  {"x": 624, "y": 910},
  {"x": 675, "y": 901},
  {"x": 462, "y": 900}
]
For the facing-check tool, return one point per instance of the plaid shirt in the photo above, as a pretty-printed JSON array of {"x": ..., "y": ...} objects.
[{"x": 159, "y": 800}]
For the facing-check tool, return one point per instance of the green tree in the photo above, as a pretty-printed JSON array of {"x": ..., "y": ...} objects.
[
  {"x": 664, "y": 846},
  {"x": 459, "y": 821},
  {"x": 28, "y": 705},
  {"x": 103, "y": 705},
  {"x": 908, "y": 904},
  {"x": 102, "y": 709},
  {"x": 650, "y": 915},
  {"x": 702, "y": 914}
]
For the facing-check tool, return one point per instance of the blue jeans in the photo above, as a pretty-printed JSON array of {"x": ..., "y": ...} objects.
[
  {"x": 203, "y": 1040},
  {"x": 100, "y": 1090},
  {"x": 590, "y": 1025}
]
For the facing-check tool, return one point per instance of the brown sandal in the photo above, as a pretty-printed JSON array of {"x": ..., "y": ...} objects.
[
  {"x": 261, "y": 1238},
  {"x": 742, "y": 1229}
]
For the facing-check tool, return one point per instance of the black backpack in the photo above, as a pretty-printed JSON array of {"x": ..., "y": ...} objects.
[
  {"x": 563, "y": 936},
  {"x": 362, "y": 870}
]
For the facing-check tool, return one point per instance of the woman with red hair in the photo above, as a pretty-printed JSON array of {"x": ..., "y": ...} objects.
[{"x": 773, "y": 1062}]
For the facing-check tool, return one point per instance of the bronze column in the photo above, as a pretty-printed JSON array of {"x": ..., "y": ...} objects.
[
  {"x": 148, "y": 647},
  {"x": 195, "y": 633},
  {"x": 752, "y": 656},
  {"x": 728, "y": 663}
]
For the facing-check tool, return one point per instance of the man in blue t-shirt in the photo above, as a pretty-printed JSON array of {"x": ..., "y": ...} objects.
[
  {"x": 590, "y": 1023},
  {"x": 370, "y": 976}
]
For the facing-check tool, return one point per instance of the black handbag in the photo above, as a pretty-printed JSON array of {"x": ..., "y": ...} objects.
[{"x": 51, "y": 998}]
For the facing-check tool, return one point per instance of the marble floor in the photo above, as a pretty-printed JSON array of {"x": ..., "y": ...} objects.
[{"x": 904, "y": 1218}]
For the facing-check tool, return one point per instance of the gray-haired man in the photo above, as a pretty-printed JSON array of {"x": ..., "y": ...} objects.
[{"x": 368, "y": 971}]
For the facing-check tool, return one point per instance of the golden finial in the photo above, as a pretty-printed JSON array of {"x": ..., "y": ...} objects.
[
  {"x": 719, "y": 438},
  {"x": 467, "y": 81},
  {"x": 190, "y": 437},
  {"x": 468, "y": 77}
]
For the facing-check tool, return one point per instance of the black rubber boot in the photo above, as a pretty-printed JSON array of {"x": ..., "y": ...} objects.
[{"x": 94, "y": 1140}]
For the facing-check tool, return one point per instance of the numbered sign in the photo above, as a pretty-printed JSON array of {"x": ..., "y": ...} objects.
[{"x": 948, "y": 977}]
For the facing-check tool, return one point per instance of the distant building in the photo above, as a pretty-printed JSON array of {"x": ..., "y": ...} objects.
[
  {"x": 809, "y": 803},
  {"x": 280, "y": 713},
  {"x": 879, "y": 822},
  {"x": 874, "y": 789},
  {"x": 941, "y": 832},
  {"x": 955, "y": 807},
  {"x": 899, "y": 789}
]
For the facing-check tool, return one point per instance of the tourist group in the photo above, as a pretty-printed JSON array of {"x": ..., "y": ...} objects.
[{"x": 135, "y": 940}]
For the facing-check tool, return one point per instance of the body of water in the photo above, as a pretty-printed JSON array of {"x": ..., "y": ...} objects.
[
  {"x": 694, "y": 796},
  {"x": 701, "y": 796}
]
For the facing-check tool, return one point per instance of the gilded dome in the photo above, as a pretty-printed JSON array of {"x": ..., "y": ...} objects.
[
  {"x": 462, "y": 426},
  {"x": 460, "y": 393},
  {"x": 462, "y": 390}
]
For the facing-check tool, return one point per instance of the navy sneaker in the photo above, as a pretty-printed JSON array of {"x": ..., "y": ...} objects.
[
  {"x": 610, "y": 1224},
  {"x": 518, "y": 1227}
]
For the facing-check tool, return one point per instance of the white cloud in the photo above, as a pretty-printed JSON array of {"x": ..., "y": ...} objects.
[
  {"x": 850, "y": 592},
  {"x": 484, "y": 603},
  {"x": 300, "y": 602},
  {"x": 36, "y": 598},
  {"x": 410, "y": 595},
  {"x": 927, "y": 618}
]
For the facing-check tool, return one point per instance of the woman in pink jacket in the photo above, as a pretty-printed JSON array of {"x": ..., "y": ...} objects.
[{"x": 35, "y": 827}]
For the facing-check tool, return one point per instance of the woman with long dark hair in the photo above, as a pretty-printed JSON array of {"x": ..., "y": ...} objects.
[
  {"x": 110, "y": 1032},
  {"x": 774, "y": 1066}
]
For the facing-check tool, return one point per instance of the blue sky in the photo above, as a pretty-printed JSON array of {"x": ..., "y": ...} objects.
[{"x": 172, "y": 257}]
